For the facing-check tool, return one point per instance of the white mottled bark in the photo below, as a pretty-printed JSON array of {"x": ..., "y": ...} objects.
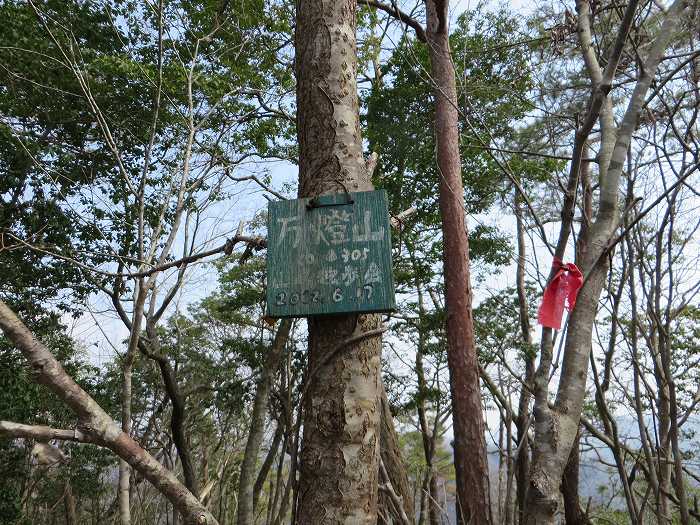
[{"x": 339, "y": 465}]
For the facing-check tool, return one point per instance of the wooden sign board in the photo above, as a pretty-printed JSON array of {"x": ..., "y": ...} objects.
[{"x": 329, "y": 255}]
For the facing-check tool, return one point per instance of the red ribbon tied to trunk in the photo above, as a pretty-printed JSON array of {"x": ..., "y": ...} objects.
[{"x": 560, "y": 292}]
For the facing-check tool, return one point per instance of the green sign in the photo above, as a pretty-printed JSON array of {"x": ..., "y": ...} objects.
[{"x": 329, "y": 255}]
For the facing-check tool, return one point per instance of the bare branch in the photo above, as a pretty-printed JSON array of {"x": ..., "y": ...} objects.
[
  {"x": 260, "y": 183},
  {"x": 399, "y": 15},
  {"x": 42, "y": 433}
]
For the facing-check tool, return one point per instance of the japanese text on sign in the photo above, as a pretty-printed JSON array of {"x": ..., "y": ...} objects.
[{"x": 331, "y": 257}]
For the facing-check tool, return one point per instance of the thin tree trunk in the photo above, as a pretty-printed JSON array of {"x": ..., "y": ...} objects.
[
  {"x": 391, "y": 456},
  {"x": 522, "y": 460},
  {"x": 602, "y": 386},
  {"x": 246, "y": 482},
  {"x": 471, "y": 465},
  {"x": 291, "y": 487},
  {"x": 429, "y": 492},
  {"x": 124, "y": 487},
  {"x": 652, "y": 479},
  {"x": 502, "y": 466},
  {"x": 340, "y": 452},
  {"x": 69, "y": 504},
  {"x": 269, "y": 461},
  {"x": 178, "y": 416},
  {"x": 665, "y": 350},
  {"x": 510, "y": 507},
  {"x": 569, "y": 488},
  {"x": 279, "y": 480}
]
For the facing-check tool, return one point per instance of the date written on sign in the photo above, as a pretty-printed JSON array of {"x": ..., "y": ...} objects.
[
  {"x": 329, "y": 255},
  {"x": 314, "y": 296}
]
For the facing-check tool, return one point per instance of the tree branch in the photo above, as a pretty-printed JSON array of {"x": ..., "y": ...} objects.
[
  {"x": 42, "y": 432},
  {"x": 399, "y": 15},
  {"x": 260, "y": 183},
  {"x": 95, "y": 423}
]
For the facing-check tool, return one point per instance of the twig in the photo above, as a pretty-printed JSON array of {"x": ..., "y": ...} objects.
[
  {"x": 258, "y": 182},
  {"x": 253, "y": 242},
  {"x": 638, "y": 218},
  {"x": 397, "y": 500},
  {"x": 256, "y": 242}
]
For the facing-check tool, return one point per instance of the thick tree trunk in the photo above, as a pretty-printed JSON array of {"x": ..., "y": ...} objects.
[
  {"x": 246, "y": 482},
  {"x": 339, "y": 465},
  {"x": 469, "y": 443}
]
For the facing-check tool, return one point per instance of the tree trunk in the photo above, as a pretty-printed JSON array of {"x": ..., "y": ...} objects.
[
  {"x": 95, "y": 425},
  {"x": 522, "y": 460},
  {"x": 569, "y": 488},
  {"x": 429, "y": 491},
  {"x": 69, "y": 504},
  {"x": 124, "y": 489},
  {"x": 471, "y": 466},
  {"x": 246, "y": 482},
  {"x": 178, "y": 417},
  {"x": 339, "y": 465},
  {"x": 278, "y": 439}
]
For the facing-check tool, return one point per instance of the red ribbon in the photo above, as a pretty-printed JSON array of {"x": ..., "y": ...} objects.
[{"x": 560, "y": 292}]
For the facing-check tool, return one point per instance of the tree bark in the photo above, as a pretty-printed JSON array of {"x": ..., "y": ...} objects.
[
  {"x": 339, "y": 465},
  {"x": 96, "y": 424},
  {"x": 569, "y": 488},
  {"x": 246, "y": 481},
  {"x": 471, "y": 465}
]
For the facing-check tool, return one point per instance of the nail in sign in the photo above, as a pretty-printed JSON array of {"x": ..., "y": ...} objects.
[{"x": 329, "y": 255}]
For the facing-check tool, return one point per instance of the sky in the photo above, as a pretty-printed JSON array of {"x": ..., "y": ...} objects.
[{"x": 101, "y": 333}]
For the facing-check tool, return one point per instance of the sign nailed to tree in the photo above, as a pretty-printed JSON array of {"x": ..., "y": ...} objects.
[{"x": 329, "y": 255}]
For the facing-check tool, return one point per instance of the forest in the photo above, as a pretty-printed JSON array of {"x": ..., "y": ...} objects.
[{"x": 531, "y": 353}]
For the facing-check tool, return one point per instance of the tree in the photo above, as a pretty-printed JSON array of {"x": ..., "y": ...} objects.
[
  {"x": 94, "y": 425},
  {"x": 556, "y": 427},
  {"x": 137, "y": 138},
  {"x": 340, "y": 455},
  {"x": 27, "y": 487},
  {"x": 471, "y": 466}
]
